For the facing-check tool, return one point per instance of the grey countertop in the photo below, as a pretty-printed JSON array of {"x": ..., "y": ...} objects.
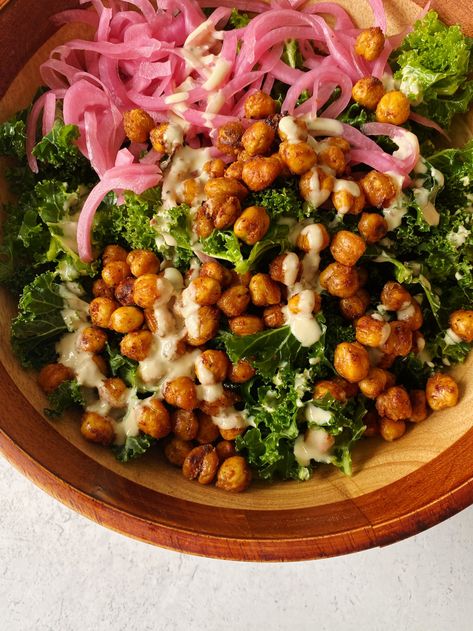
[{"x": 61, "y": 572}]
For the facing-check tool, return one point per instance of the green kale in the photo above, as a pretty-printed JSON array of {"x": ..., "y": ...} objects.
[
  {"x": 121, "y": 366},
  {"x": 66, "y": 395},
  {"x": 291, "y": 54},
  {"x": 355, "y": 115},
  {"x": 134, "y": 447},
  {"x": 13, "y": 137},
  {"x": 174, "y": 226},
  {"x": 237, "y": 19},
  {"x": 283, "y": 198}
]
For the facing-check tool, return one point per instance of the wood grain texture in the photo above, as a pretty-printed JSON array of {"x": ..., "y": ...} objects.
[{"x": 397, "y": 489}]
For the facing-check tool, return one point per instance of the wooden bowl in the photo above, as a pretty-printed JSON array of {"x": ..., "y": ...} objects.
[{"x": 396, "y": 490}]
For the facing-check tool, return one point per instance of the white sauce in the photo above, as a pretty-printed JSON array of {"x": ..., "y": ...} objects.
[
  {"x": 173, "y": 138},
  {"x": 229, "y": 418},
  {"x": 316, "y": 445},
  {"x": 81, "y": 362},
  {"x": 324, "y": 126},
  {"x": 290, "y": 268},
  {"x": 451, "y": 338},
  {"x": 458, "y": 238},
  {"x": 204, "y": 375},
  {"x": 293, "y": 132},
  {"x": 406, "y": 312},
  {"x": 186, "y": 163},
  {"x": 316, "y": 415},
  {"x": 210, "y": 393},
  {"x": 304, "y": 327},
  {"x": 316, "y": 196}
]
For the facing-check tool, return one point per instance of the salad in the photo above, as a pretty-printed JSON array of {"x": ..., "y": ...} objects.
[{"x": 241, "y": 234}]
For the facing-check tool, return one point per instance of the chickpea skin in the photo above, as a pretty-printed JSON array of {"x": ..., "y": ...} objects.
[
  {"x": 299, "y": 157},
  {"x": 220, "y": 188},
  {"x": 227, "y": 213},
  {"x": 393, "y": 108},
  {"x": 101, "y": 290},
  {"x": 112, "y": 390},
  {"x": 391, "y": 430},
  {"x": 234, "y": 475},
  {"x": 330, "y": 387},
  {"x": 241, "y": 372},
  {"x": 218, "y": 272},
  {"x": 340, "y": 280},
  {"x": 347, "y": 204},
  {"x": 333, "y": 157},
  {"x": 115, "y": 272},
  {"x": 260, "y": 172},
  {"x": 347, "y": 247},
  {"x": 52, "y": 375},
  {"x": 203, "y": 225},
  {"x": 154, "y": 419},
  {"x": 97, "y": 428},
  {"x": 411, "y": 315},
  {"x": 394, "y": 403},
  {"x": 225, "y": 449},
  {"x": 235, "y": 169},
  {"x": 374, "y": 383},
  {"x": 143, "y": 262},
  {"x": 351, "y": 361},
  {"x": 208, "y": 323},
  {"x": 372, "y": 331},
  {"x": 215, "y": 168},
  {"x": 461, "y": 323},
  {"x": 370, "y": 43},
  {"x": 379, "y": 189},
  {"x": 441, "y": 391},
  {"x": 258, "y": 138},
  {"x": 246, "y": 325},
  {"x": 113, "y": 253},
  {"x": 419, "y": 406},
  {"x": 395, "y": 297},
  {"x": 136, "y": 345},
  {"x": 207, "y": 291},
  {"x": 273, "y": 317},
  {"x": 323, "y": 189},
  {"x": 201, "y": 464},
  {"x": 184, "y": 424},
  {"x": 92, "y": 339},
  {"x": 259, "y": 105},
  {"x": 126, "y": 319},
  {"x": 137, "y": 124},
  {"x": 101, "y": 310},
  {"x": 264, "y": 291},
  {"x": 368, "y": 92},
  {"x": 234, "y": 301},
  {"x": 146, "y": 290},
  {"x": 124, "y": 292},
  {"x": 181, "y": 393},
  {"x": 208, "y": 432},
  {"x": 355, "y": 306},
  {"x": 399, "y": 342},
  {"x": 211, "y": 367},
  {"x": 285, "y": 268},
  {"x": 177, "y": 450},
  {"x": 372, "y": 227},
  {"x": 229, "y": 138},
  {"x": 252, "y": 225}
]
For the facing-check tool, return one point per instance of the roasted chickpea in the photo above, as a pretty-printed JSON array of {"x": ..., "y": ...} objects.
[
  {"x": 177, "y": 450},
  {"x": 260, "y": 172},
  {"x": 154, "y": 419},
  {"x": 97, "y": 428},
  {"x": 322, "y": 190},
  {"x": 393, "y": 108},
  {"x": 299, "y": 157},
  {"x": 395, "y": 297},
  {"x": 241, "y": 372},
  {"x": 234, "y": 475},
  {"x": 220, "y": 188},
  {"x": 227, "y": 213},
  {"x": 215, "y": 407},
  {"x": 372, "y": 227},
  {"x": 234, "y": 300},
  {"x": 370, "y": 43},
  {"x": 419, "y": 406},
  {"x": 211, "y": 367},
  {"x": 115, "y": 272},
  {"x": 346, "y": 203},
  {"x": 313, "y": 238},
  {"x": 113, "y": 253},
  {"x": 394, "y": 403},
  {"x": 372, "y": 331},
  {"x": 208, "y": 432},
  {"x": 379, "y": 189},
  {"x": 126, "y": 319},
  {"x": 399, "y": 342},
  {"x": 225, "y": 449},
  {"x": 101, "y": 290},
  {"x": 113, "y": 391},
  {"x": 241, "y": 279},
  {"x": 441, "y": 391},
  {"x": 391, "y": 430},
  {"x": 206, "y": 290},
  {"x": 347, "y": 247},
  {"x": 203, "y": 224},
  {"x": 340, "y": 280},
  {"x": 101, "y": 364},
  {"x": 136, "y": 345},
  {"x": 201, "y": 464},
  {"x": 143, "y": 262},
  {"x": 368, "y": 92},
  {"x": 259, "y": 105},
  {"x": 215, "y": 167},
  {"x": 307, "y": 301},
  {"x": 411, "y": 315},
  {"x": 181, "y": 393},
  {"x": 229, "y": 138},
  {"x": 246, "y": 325},
  {"x": 332, "y": 157},
  {"x": 252, "y": 224},
  {"x": 330, "y": 387},
  {"x": 371, "y": 422},
  {"x": 351, "y": 361},
  {"x": 184, "y": 424},
  {"x": 218, "y": 272},
  {"x": 273, "y": 317},
  {"x": 235, "y": 170},
  {"x": 461, "y": 323},
  {"x": 147, "y": 289},
  {"x": 124, "y": 292},
  {"x": 264, "y": 291},
  {"x": 157, "y": 136},
  {"x": 350, "y": 389},
  {"x": 137, "y": 125},
  {"x": 52, "y": 375},
  {"x": 385, "y": 361},
  {"x": 207, "y": 326},
  {"x": 355, "y": 306},
  {"x": 92, "y": 339},
  {"x": 285, "y": 268},
  {"x": 100, "y": 311},
  {"x": 191, "y": 188},
  {"x": 374, "y": 383},
  {"x": 295, "y": 128},
  {"x": 258, "y": 138}
]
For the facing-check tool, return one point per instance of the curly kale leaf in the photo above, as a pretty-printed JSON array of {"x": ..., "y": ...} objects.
[
  {"x": 66, "y": 395},
  {"x": 134, "y": 447},
  {"x": 13, "y": 137},
  {"x": 283, "y": 198},
  {"x": 121, "y": 366}
]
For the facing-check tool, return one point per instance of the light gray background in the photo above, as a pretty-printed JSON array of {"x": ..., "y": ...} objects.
[{"x": 61, "y": 572}]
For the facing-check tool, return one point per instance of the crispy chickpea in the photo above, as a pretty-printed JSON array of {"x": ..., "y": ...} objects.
[
  {"x": 220, "y": 188},
  {"x": 143, "y": 262},
  {"x": 177, "y": 450},
  {"x": 235, "y": 170},
  {"x": 101, "y": 364},
  {"x": 252, "y": 224},
  {"x": 347, "y": 247},
  {"x": 340, "y": 280},
  {"x": 136, "y": 345},
  {"x": 227, "y": 213},
  {"x": 285, "y": 268},
  {"x": 157, "y": 136},
  {"x": 313, "y": 237},
  {"x": 461, "y": 323},
  {"x": 330, "y": 387},
  {"x": 201, "y": 464},
  {"x": 241, "y": 372},
  {"x": 393, "y": 108},
  {"x": 441, "y": 391},
  {"x": 184, "y": 424},
  {"x": 234, "y": 475},
  {"x": 246, "y": 325},
  {"x": 234, "y": 300},
  {"x": 218, "y": 272},
  {"x": 355, "y": 306},
  {"x": 241, "y": 279},
  {"x": 215, "y": 167},
  {"x": 385, "y": 361},
  {"x": 225, "y": 400},
  {"x": 372, "y": 227},
  {"x": 273, "y": 317},
  {"x": 259, "y": 105},
  {"x": 419, "y": 406},
  {"x": 371, "y": 422},
  {"x": 350, "y": 389},
  {"x": 294, "y": 127},
  {"x": 374, "y": 383},
  {"x": 346, "y": 203},
  {"x": 372, "y": 331},
  {"x": 124, "y": 292},
  {"x": 137, "y": 125},
  {"x": 370, "y": 43},
  {"x": 115, "y": 272},
  {"x": 368, "y": 92},
  {"x": 232, "y": 433},
  {"x": 154, "y": 419},
  {"x": 260, "y": 172},
  {"x": 92, "y": 339},
  {"x": 100, "y": 311},
  {"x": 206, "y": 290},
  {"x": 411, "y": 315},
  {"x": 225, "y": 449},
  {"x": 379, "y": 189},
  {"x": 101, "y": 290},
  {"x": 333, "y": 157},
  {"x": 391, "y": 430},
  {"x": 208, "y": 323},
  {"x": 126, "y": 319},
  {"x": 113, "y": 253},
  {"x": 394, "y": 403},
  {"x": 324, "y": 188},
  {"x": 299, "y": 157},
  {"x": 181, "y": 393},
  {"x": 97, "y": 428},
  {"x": 211, "y": 367},
  {"x": 52, "y": 375},
  {"x": 399, "y": 342},
  {"x": 307, "y": 301},
  {"x": 264, "y": 291},
  {"x": 208, "y": 432},
  {"x": 112, "y": 390},
  {"x": 229, "y": 138},
  {"x": 351, "y": 361},
  {"x": 203, "y": 225},
  {"x": 395, "y": 297},
  {"x": 258, "y": 138},
  {"x": 147, "y": 290}
]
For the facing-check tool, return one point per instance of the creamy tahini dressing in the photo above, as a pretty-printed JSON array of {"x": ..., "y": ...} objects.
[
  {"x": 230, "y": 418},
  {"x": 316, "y": 415},
  {"x": 316, "y": 444},
  {"x": 186, "y": 163}
]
